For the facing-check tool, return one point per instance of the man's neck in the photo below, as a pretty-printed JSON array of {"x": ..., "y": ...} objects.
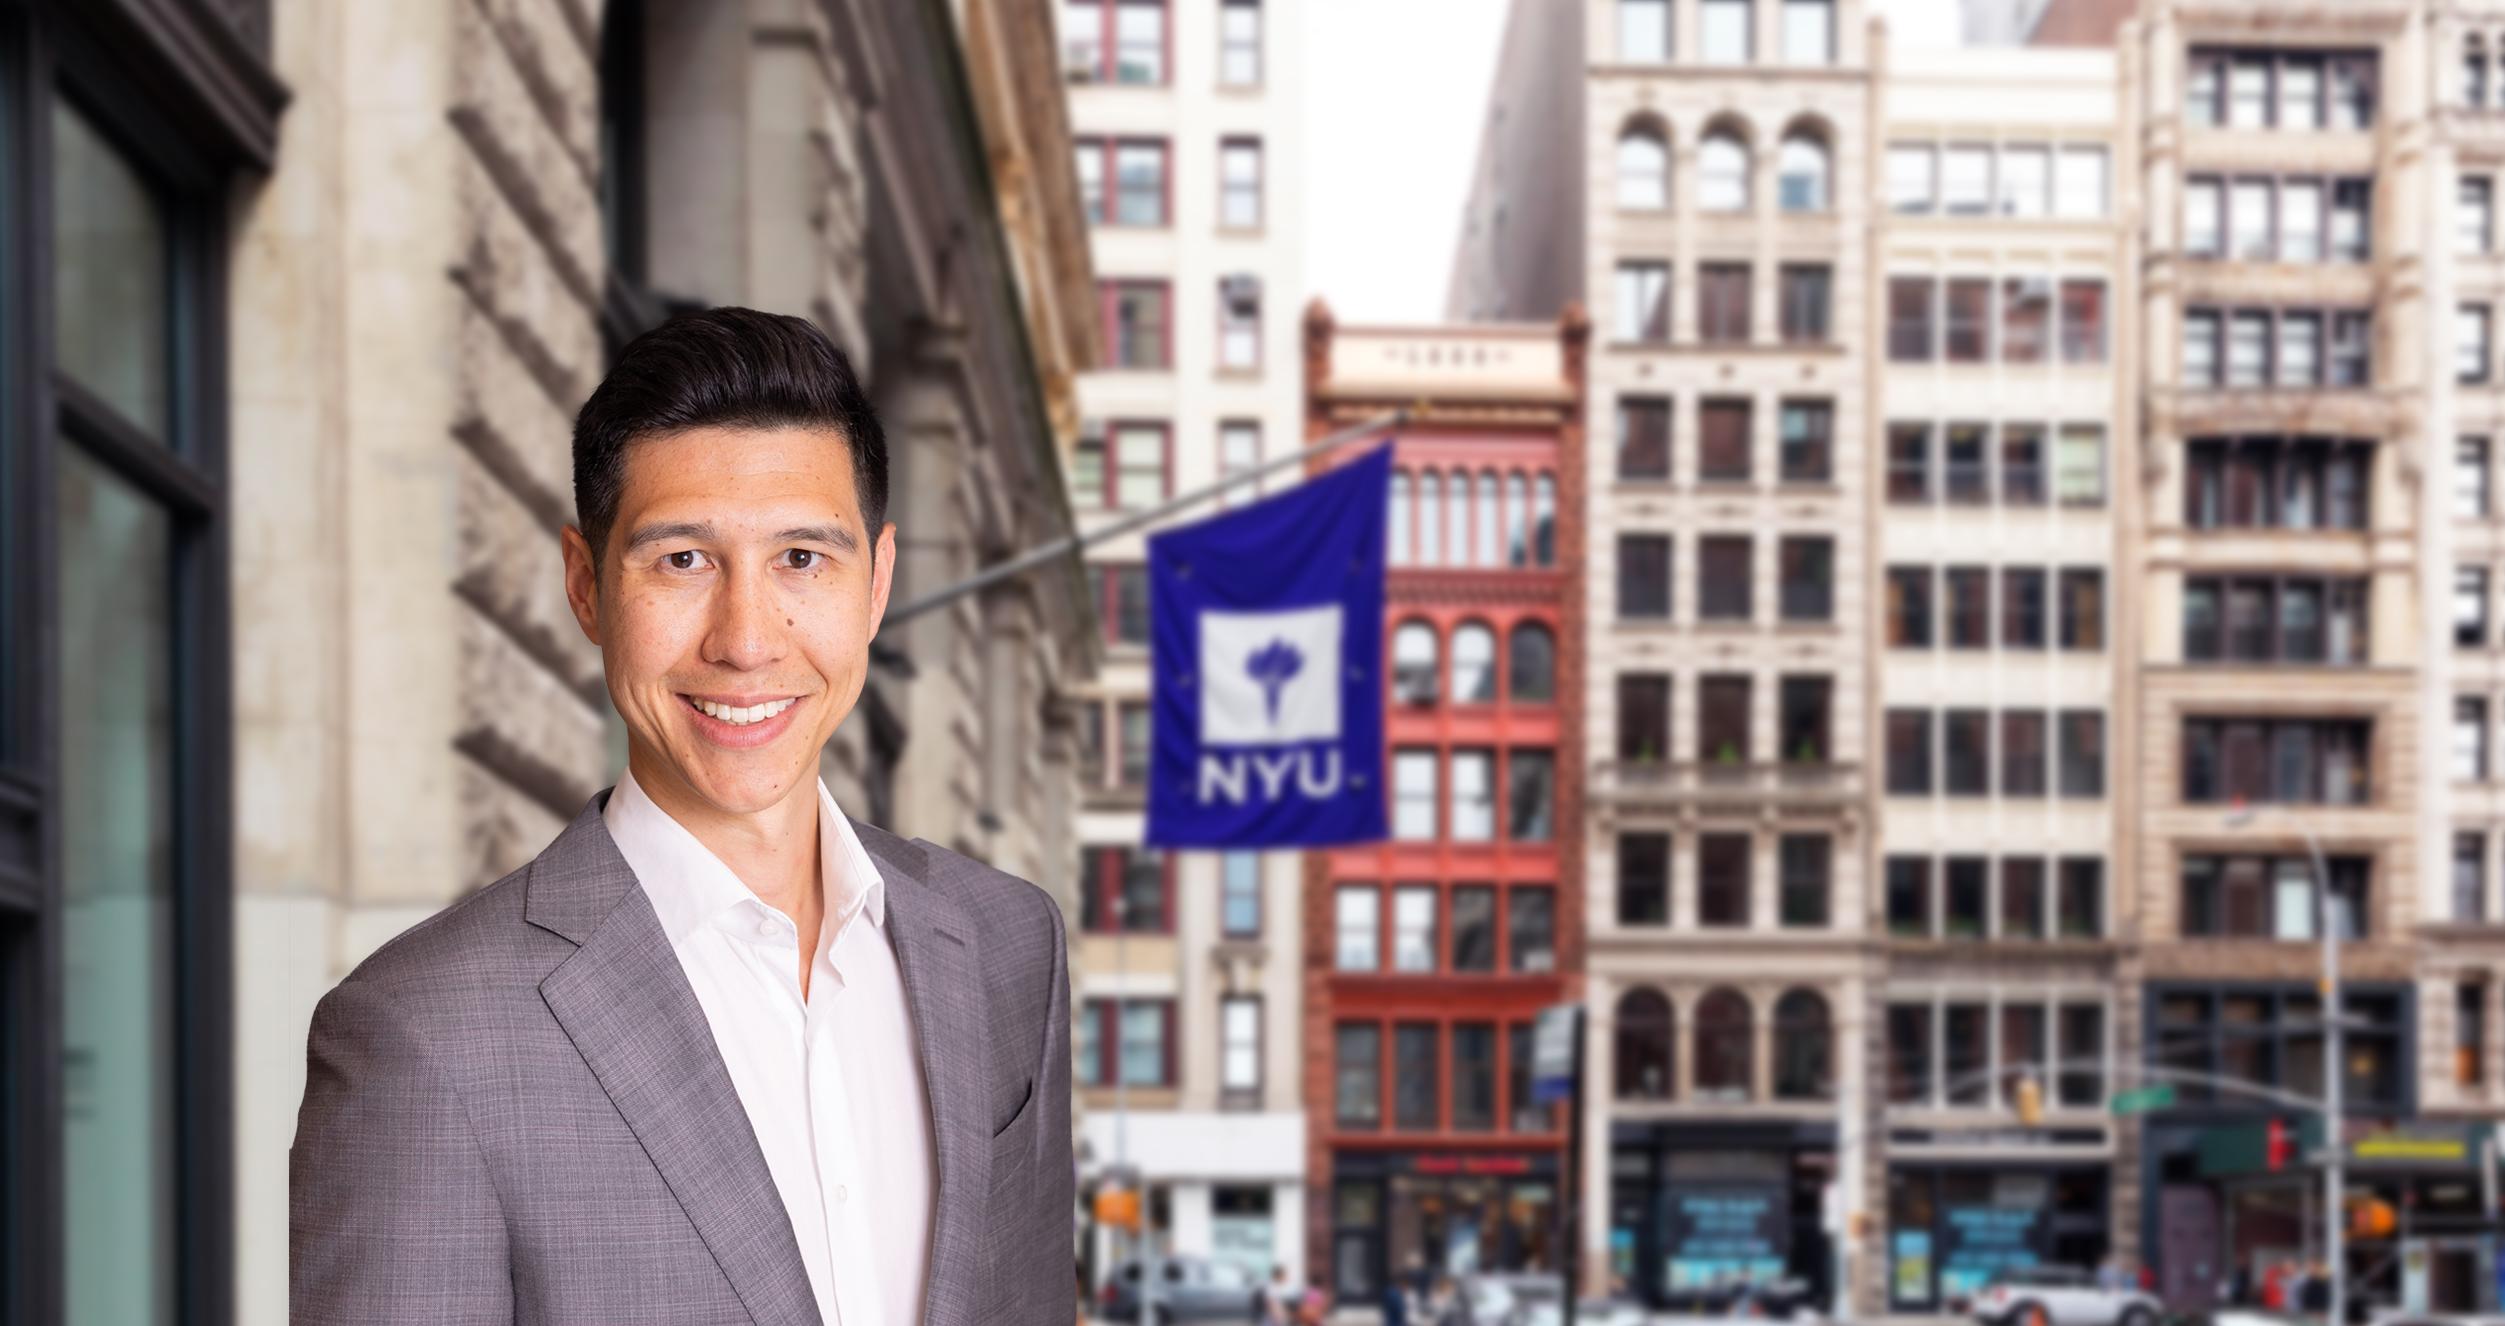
[{"x": 773, "y": 851}]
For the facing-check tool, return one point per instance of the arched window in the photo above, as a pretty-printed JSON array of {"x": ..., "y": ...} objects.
[
  {"x": 1517, "y": 521},
  {"x": 1457, "y": 536},
  {"x": 1414, "y": 670},
  {"x": 1801, "y": 173},
  {"x": 1396, "y": 523},
  {"x": 1722, "y": 173},
  {"x": 1430, "y": 519},
  {"x": 1643, "y": 168},
  {"x": 1488, "y": 550},
  {"x": 1532, "y": 667},
  {"x": 1544, "y": 522},
  {"x": 1642, "y": 1046},
  {"x": 1474, "y": 664},
  {"x": 1723, "y": 1050},
  {"x": 1804, "y": 1055}
]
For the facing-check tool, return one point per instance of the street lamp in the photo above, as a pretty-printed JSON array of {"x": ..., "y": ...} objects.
[{"x": 2333, "y": 1180}]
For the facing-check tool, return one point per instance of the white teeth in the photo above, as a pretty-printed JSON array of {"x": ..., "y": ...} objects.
[{"x": 742, "y": 716}]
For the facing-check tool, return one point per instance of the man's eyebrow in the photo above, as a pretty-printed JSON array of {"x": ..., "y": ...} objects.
[
  {"x": 839, "y": 535},
  {"x": 701, "y": 531}
]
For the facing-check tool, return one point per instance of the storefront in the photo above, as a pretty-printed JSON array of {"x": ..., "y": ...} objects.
[
  {"x": 1952, "y": 1226},
  {"x": 1698, "y": 1209},
  {"x": 1396, "y": 1212}
]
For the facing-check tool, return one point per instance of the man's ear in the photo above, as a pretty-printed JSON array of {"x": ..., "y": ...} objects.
[
  {"x": 882, "y": 573},
  {"x": 582, "y": 582}
]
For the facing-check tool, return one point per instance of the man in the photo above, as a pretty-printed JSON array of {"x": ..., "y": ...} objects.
[{"x": 720, "y": 1053}]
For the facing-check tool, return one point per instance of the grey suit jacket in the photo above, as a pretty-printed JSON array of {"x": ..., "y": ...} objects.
[{"x": 515, "y": 1112}]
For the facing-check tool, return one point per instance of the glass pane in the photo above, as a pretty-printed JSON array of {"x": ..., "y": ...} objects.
[
  {"x": 109, "y": 275},
  {"x": 117, "y": 844}
]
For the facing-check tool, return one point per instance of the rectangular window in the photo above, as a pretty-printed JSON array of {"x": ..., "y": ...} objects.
[
  {"x": 2248, "y": 220},
  {"x": 1131, "y": 717},
  {"x": 1643, "y": 878},
  {"x": 2248, "y": 349},
  {"x": 1643, "y": 717},
  {"x": 1808, "y": 441},
  {"x": 1136, "y": 319},
  {"x": 2204, "y": 217},
  {"x": 2082, "y": 1051},
  {"x": 2470, "y": 877},
  {"x": 1806, "y": 296},
  {"x": 1966, "y": 752},
  {"x": 2026, "y": 181},
  {"x": 1723, "y": 31},
  {"x": 1122, "y": 604},
  {"x": 2470, "y": 478},
  {"x": 2204, "y": 79},
  {"x": 1147, "y": 1055},
  {"x": 1239, "y": 452},
  {"x": 1643, "y": 437},
  {"x": 2021, "y": 897},
  {"x": 1968, "y": 339},
  {"x": 2079, "y": 182},
  {"x": 1642, "y": 293},
  {"x": 1912, "y": 178},
  {"x": 2026, "y": 319},
  {"x": 1531, "y": 928},
  {"x": 1808, "y": 31},
  {"x": 2082, "y": 322},
  {"x": 1911, "y": 314},
  {"x": 2470, "y": 1034},
  {"x": 2470, "y": 343},
  {"x": 1239, "y": 1047},
  {"x": 2082, "y": 608},
  {"x": 1722, "y": 298},
  {"x": 1908, "y": 463},
  {"x": 2082, "y": 902},
  {"x": 2022, "y": 464},
  {"x": 1139, "y": 182},
  {"x": 1909, "y": 897},
  {"x": 1909, "y": 1054},
  {"x": 1474, "y": 928},
  {"x": 1969, "y": 607},
  {"x": 2470, "y": 739},
  {"x": 2474, "y": 213},
  {"x": 1140, "y": 457},
  {"x": 1416, "y": 1073},
  {"x": 2200, "y": 349},
  {"x": 1722, "y": 879},
  {"x": 1530, "y": 795},
  {"x": 1643, "y": 31},
  {"x": 1474, "y": 1077},
  {"x": 1087, "y": 469},
  {"x": 2022, "y": 607},
  {"x": 2300, "y": 221},
  {"x": 1239, "y": 43},
  {"x": 1909, "y": 752},
  {"x": 1722, "y": 718},
  {"x": 1964, "y": 894},
  {"x": 1239, "y": 183},
  {"x": 1966, "y": 179},
  {"x": 1413, "y": 795},
  {"x": 1139, "y": 41},
  {"x": 1473, "y": 808},
  {"x": 2300, "y": 93},
  {"x": 1357, "y": 1075},
  {"x": 1723, "y": 442},
  {"x": 1239, "y": 894},
  {"x": 2022, "y": 753},
  {"x": 1723, "y": 577},
  {"x": 1808, "y": 568},
  {"x": 1239, "y": 323},
  {"x": 1807, "y": 882},
  {"x": 1806, "y": 704},
  {"x": 1966, "y": 464},
  {"x": 2082, "y": 753},
  {"x": 2348, "y": 220},
  {"x": 1644, "y": 576},
  {"x": 2284, "y": 761},
  {"x": 2260, "y": 897},
  {"x": 2350, "y": 364},
  {"x": 2248, "y": 91},
  {"x": 1909, "y": 607},
  {"x": 1359, "y": 927},
  {"x": 2079, "y": 465},
  {"x": 2470, "y": 606},
  {"x": 2300, "y": 349}
]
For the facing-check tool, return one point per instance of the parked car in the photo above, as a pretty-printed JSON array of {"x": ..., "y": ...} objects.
[
  {"x": 1188, "y": 1289},
  {"x": 2061, "y": 1296}
]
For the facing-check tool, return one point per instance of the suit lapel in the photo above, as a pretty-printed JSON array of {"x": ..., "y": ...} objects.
[
  {"x": 625, "y": 1002},
  {"x": 943, "y": 979}
]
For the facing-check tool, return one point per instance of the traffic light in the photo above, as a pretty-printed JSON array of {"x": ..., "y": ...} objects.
[
  {"x": 2278, "y": 1145},
  {"x": 2030, "y": 1097},
  {"x": 2372, "y": 1218},
  {"x": 1118, "y": 1208}
]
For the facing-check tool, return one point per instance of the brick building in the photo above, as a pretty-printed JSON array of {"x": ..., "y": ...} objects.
[{"x": 1428, "y": 956}]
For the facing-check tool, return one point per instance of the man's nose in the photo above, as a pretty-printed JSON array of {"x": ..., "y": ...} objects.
[{"x": 747, "y": 631}]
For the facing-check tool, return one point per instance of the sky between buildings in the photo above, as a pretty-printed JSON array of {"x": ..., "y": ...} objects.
[{"x": 1394, "y": 94}]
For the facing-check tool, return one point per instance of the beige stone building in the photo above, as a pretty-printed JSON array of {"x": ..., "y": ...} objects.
[{"x": 385, "y": 251}]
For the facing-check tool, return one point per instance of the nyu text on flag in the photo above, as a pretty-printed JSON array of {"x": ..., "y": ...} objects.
[{"x": 1266, "y": 644}]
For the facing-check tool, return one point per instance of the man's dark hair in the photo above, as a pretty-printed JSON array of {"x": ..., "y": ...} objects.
[{"x": 723, "y": 367}]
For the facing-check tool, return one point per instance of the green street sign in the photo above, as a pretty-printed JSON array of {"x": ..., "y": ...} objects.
[{"x": 2140, "y": 1100}]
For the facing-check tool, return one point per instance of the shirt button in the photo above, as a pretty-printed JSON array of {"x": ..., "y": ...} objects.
[
  {"x": 840, "y": 1192},
  {"x": 765, "y": 928}
]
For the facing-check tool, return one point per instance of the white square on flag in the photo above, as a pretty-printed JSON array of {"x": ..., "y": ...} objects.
[{"x": 1269, "y": 678}]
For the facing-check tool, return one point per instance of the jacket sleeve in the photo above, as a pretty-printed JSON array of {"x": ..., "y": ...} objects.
[
  {"x": 392, "y": 1213},
  {"x": 1048, "y": 1240}
]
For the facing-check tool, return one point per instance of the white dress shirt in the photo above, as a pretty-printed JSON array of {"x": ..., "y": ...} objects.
[{"x": 832, "y": 1084}]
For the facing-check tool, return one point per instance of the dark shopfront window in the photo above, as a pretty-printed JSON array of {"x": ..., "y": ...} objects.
[
  {"x": 1693, "y": 1208},
  {"x": 1450, "y": 1213},
  {"x": 115, "y": 1150},
  {"x": 1951, "y": 1228}
]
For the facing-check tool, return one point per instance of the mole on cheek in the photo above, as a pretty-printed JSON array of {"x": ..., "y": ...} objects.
[{"x": 787, "y": 621}]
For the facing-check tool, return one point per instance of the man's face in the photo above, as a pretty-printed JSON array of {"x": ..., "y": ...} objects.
[{"x": 733, "y": 610}]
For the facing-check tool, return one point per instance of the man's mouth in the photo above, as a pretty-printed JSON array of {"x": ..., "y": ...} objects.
[{"x": 739, "y": 711}]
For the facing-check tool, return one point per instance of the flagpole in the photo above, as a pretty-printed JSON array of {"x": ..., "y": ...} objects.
[{"x": 1070, "y": 543}]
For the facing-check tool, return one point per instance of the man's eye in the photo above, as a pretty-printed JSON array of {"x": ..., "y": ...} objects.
[
  {"x": 803, "y": 559},
  {"x": 682, "y": 561}
]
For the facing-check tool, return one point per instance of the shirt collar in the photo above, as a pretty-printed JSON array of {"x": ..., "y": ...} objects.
[{"x": 689, "y": 886}]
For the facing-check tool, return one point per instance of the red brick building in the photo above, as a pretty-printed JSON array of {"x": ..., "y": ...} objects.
[{"x": 1429, "y": 956}]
